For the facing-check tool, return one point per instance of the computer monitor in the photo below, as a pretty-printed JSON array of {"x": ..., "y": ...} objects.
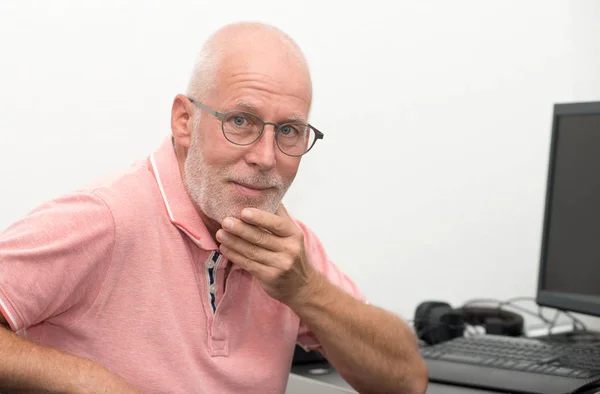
[{"x": 569, "y": 275}]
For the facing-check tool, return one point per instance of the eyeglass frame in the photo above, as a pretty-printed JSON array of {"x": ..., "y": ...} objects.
[{"x": 222, "y": 115}]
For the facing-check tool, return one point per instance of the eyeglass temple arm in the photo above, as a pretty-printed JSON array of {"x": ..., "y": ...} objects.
[
  {"x": 318, "y": 134},
  {"x": 204, "y": 107}
]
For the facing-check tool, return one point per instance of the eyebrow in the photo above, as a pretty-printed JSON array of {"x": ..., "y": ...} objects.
[{"x": 249, "y": 107}]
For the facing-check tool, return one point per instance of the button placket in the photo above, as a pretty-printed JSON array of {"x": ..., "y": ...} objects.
[
  {"x": 219, "y": 339},
  {"x": 211, "y": 276}
]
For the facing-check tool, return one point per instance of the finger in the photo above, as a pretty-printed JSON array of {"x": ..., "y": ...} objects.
[
  {"x": 250, "y": 251},
  {"x": 255, "y": 268},
  {"x": 252, "y": 234},
  {"x": 278, "y": 225}
]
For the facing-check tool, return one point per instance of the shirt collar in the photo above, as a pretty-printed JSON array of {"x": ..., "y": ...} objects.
[{"x": 181, "y": 211}]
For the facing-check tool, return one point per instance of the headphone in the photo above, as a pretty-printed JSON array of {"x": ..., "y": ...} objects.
[{"x": 437, "y": 321}]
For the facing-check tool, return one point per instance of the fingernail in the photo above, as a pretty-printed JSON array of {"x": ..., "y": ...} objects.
[
  {"x": 228, "y": 224},
  {"x": 221, "y": 236},
  {"x": 247, "y": 214}
]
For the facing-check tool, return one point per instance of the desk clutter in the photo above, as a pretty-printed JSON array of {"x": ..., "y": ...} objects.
[
  {"x": 483, "y": 344},
  {"x": 487, "y": 346},
  {"x": 437, "y": 321}
]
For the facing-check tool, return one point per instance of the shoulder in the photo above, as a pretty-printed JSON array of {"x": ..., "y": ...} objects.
[
  {"x": 127, "y": 194},
  {"x": 120, "y": 200},
  {"x": 119, "y": 186}
]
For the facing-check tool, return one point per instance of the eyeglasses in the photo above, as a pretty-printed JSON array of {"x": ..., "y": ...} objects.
[{"x": 245, "y": 128}]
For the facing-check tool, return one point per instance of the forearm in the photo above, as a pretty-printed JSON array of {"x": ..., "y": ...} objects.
[
  {"x": 25, "y": 367},
  {"x": 372, "y": 349}
]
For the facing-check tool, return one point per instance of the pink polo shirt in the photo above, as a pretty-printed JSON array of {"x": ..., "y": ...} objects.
[{"x": 125, "y": 273}]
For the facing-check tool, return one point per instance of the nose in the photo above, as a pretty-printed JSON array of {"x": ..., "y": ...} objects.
[{"x": 262, "y": 153}]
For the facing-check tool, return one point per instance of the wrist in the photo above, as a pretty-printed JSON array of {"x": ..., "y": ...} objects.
[{"x": 312, "y": 295}]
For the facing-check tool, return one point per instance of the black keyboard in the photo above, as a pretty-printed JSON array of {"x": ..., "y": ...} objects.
[{"x": 516, "y": 365}]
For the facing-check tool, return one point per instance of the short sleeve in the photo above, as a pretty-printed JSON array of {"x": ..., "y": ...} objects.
[
  {"x": 317, "y": 255},
  {"x": 52, "y": 261}
]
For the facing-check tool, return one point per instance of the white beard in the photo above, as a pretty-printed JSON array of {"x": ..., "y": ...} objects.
[{"x": 212, "y": 192}]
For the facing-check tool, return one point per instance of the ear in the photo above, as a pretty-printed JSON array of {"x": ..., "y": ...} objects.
[{"x": 181, "y": 120}]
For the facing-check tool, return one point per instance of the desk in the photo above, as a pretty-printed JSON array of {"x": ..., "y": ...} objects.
[{"x": 303, "y": 382}]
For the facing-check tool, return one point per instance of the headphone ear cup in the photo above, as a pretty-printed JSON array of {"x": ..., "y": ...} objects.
[
  {"x": 445, "y": 324},
  {"x": 422, "y": 320}
]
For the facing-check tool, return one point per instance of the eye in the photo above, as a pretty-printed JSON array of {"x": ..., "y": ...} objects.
[
  {"x": 239, "y": 121},
  {"x": 287, "y": 130}
]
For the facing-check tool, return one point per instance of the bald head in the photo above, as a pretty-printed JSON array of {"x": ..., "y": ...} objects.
[{"x": 244, "y": 42}]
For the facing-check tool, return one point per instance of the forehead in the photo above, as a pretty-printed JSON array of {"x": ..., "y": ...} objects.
[{"x": 258, "y": 80}]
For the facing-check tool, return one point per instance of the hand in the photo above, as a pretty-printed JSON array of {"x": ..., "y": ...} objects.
[{"x": 270, "y": 247}]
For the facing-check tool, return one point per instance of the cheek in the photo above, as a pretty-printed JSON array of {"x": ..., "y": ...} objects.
[
  {"x": 221, "y": 153},
  {"x": 216, "y": 150},
  {"x": 288, "y": 166}
]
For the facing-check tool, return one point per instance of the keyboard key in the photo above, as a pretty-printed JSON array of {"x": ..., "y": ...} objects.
[
  {"x": 536, "y": 368},
  {"x": 462, "y": 358},
  {"x": 489, "y": 361},
  {"x": 507, "y": 364},
  {"x": 580, "y": 373},
  {"x": 435, "y": 354},
  {"x": 548, "y": 359},
  {"x": 522, "y": 365},
  {"x": 562, "y": 371},
  {"x": 497, "y": 362}
]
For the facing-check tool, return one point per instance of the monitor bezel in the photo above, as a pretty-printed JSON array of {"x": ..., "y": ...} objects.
[{"x": 581, "y": 303}]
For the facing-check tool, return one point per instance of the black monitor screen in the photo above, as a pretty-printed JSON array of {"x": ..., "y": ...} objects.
[{"x": 570, "y": 269}]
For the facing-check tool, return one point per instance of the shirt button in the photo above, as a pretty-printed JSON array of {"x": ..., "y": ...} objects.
[
  {"x": 210, "y": 264},
  {"x": 212, "y": 289}
]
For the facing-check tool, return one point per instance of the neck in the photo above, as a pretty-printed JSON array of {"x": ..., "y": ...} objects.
[{"x": 211, "y": 225}]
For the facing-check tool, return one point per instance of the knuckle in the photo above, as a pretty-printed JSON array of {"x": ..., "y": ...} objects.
[
  {"x": 248, "y": 265},
  {"x": 293, "y": 249},
  {"x": 288, "y": 265},
  {"x": 260, "y": 238},
  {"x": 253, "y": 252}
]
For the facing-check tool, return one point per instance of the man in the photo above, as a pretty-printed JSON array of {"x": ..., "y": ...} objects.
[{"x": 185, "y": 273}]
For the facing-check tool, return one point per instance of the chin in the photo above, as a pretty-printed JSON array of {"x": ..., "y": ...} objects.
[
  {"x": 220, "y": 208},
  {"x": 263, "y": 206}
]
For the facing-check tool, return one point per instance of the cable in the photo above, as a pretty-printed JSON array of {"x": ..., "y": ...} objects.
[
  {"x": 508, "y": 303},
  {"x": 578, "y": 325},
  {"x": 582, "y": 325},
  {"x": 553, "y": 323}
]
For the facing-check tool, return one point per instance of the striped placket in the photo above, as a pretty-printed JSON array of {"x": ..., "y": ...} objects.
[{"x": 211, "y": 273}]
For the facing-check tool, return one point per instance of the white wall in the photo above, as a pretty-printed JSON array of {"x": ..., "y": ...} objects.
[
  {"x": 586, "y": 44},
  {"x": 430, "y": 180}
]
